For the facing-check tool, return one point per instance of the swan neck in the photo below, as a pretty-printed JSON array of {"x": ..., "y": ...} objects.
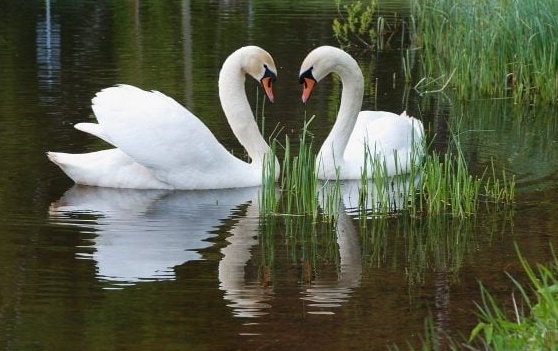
[
  {"x": 349, "y": 108},
  {"x": 237, "y": 109}
]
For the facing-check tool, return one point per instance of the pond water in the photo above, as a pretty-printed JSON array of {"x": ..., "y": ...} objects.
[{"x": 106, "y": 269}]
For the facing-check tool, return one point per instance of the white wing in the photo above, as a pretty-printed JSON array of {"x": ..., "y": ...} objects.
[
  {"x": 386, "y": 134},
  {"x": 93, "y": 129},
  {"x": 160, "y": 134}
]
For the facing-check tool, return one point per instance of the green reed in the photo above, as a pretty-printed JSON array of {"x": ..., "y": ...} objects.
[
  {"x": 435, "y": 184},
  {"x": 495, "y": 48},
  {"x": 268, "y": 193},
  {"x": 534, "y": 329},
  {"x": 530, "y": 323},
  {"x": 299, "y": 179},
  {"x": 378, "y": 191},
  {"x": 300, "y": 192},
  {"x": 449, "y": 187},
  {"x": 499, "y": 189}
]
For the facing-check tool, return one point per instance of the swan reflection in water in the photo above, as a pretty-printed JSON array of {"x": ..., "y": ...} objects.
[
  {"x": 321, "y": 294},
  {"x": 324, "y": 294},
  {"x": 251, "y": 298},
  {"x": 246, "y": 298},
  {"x": 141, "y": 235}
]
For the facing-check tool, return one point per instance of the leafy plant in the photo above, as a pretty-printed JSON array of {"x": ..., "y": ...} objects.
[
  {"x": 535, "y": 329},
  {"x": 357, "y": 25}
]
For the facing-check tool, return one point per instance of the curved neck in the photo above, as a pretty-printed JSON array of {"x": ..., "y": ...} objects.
[
  {"x": 351, "y": 103},
  {"x": 237, "y": 109}
]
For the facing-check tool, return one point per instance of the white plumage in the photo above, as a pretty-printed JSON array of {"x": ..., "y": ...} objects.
[
  {"x": 161, "y": 145},
  {"x": 388, "y": 137}
]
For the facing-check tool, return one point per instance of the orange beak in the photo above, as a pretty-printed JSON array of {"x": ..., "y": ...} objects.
[
  {"x": 267, "y": 84},
  {"x": 307, "y": 89}
]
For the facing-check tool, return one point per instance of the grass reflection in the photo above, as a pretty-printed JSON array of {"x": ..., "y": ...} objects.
[
  {"x": 324, "y": 260},
  {"x": 415, "y": 246},
  {"x": 430, "y": 244}
]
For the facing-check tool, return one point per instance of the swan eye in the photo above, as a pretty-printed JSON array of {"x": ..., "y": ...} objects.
[
  {"x": 305, "y": 75},
  {"x": 269, "y": 74}
]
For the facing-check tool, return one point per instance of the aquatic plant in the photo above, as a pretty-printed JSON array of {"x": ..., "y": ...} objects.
[
  {"x": 533, "y": 329},
  {"x": 300, "y": 192},
  {"x": 448, "y": 185},
  {"x": 495, "y": 48},
  {"x": 441, "y": 184},
  {"x": 531, "y": 325},
  {"x": 380, "y": 193},
  {"x": 359, "y": 26},
  {"x": 299, "y": 180},
  {"x": 356, "y": 25},
  {"x": 268, "y": 193}
]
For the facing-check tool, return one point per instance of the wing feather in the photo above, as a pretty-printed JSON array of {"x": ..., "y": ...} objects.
[{"x": 159, "y": 133}]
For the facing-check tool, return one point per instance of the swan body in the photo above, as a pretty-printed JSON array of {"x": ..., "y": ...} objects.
[
  {"x": 161, "y": 145},
  {"x": 395, "y": 140}
]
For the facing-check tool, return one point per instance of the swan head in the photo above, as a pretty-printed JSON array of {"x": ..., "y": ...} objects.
[
  {"x": 259, "y": 64},
  {"x": 319, "y": 63}
]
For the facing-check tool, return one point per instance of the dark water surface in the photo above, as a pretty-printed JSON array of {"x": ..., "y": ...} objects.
[{"x": 105, "y": 269}]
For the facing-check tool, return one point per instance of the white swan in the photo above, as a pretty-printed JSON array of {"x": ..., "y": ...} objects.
[
  {"x": 384, "y": 134},
  {"x": 162, "y": 145}
]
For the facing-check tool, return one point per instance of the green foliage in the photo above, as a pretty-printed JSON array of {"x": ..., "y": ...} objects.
[
  {"x": 380, "y": 193},
  {"x": 301, "y": 193},
  {"x": 449, "y": 187},
  {"x": 436, "y": 185},
  {"x": 299, "y": 180},
  {"x": 495, "y": 48},
  {"x": 268, "y": 194},
  {"x": 357, "y": 25},
  {"x": 536, "y": 329}
]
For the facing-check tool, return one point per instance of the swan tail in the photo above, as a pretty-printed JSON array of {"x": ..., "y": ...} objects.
[
  {"x": 416, "y": 123},
  {"x": 81, "y": 168},
  {"x": 54, "y": 158},
  {"x": 108, "y": 168},
  {"x": 68, "y": 164},
  {"x": 93, "y": 129}
]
